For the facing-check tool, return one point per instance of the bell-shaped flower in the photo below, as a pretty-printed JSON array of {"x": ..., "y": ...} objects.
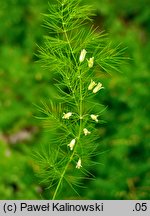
[
  {"x": 86, "y": 132},
  {"x": 82, "y": 55},
  {"x": 78, "y": 166},
  {"x": 98, "y": 87},
  {"x": 71, "y": 144},
  {"x": 67, "y": 115},
  {"x": 92, "y": 85},
  {"x": 91, "y": 62},
  {"x": 94, "y": 117}
]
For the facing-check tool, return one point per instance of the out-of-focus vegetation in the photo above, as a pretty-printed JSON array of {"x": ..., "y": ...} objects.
[{"x": 125, "y": 169}]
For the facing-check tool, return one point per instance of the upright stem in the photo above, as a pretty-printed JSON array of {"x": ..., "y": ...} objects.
[
  {"x": 62, "y": 176},
  {"x": 71, "y": 157},
  {"x": 80, "y": 106},
  {"x": 80, "y": 116}
]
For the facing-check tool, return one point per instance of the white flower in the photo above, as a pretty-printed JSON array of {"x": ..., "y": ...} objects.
[
  {"x": 67, "y": 115},
  {"x": 71, "y": 144},
  {"x": 98, "y": 87},
  {"x": 94, "y": 117},
  {"x": 86, "y": 132},
  {"x": 82, "y": 55},
  {"x": 92, "y": 84},
  {"x": 91, "y": 62},
  {"x": 78, "y": 166}
]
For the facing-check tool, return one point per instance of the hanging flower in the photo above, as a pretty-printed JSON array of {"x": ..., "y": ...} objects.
[
  {"x": 92, "y": 84},
  {"x": 91, "y": 62},
  {"x": 98, "y": 87},
  {"x": 67, "y": 115},
  {"x": 71, "y": 144},
  {"x": 82, "y": 55},
  {"x": 94, "y": 117},
  {"x": 86, "y": 132},
  {"x": 78, "y": 166}
]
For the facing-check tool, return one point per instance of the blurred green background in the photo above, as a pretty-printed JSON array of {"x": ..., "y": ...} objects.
[{"x": 125, "y": 141}]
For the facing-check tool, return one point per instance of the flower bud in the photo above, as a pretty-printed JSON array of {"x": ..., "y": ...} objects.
[
  {"x": 91, "y": 62},
  {"x": 78, "y": 166},
  {"x": 94, "y": 117},
  {"x": 67, "y": 115},
  {"x": 82, "y": 55},
  {"x": 92, "y": 84},
  {"x": 71, "y": 144},
  {"x": 86, "y": 132},
  {"x": 98, "y": 87}
]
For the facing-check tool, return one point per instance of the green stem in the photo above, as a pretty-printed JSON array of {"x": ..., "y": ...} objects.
[
  {"x": 62, "y": 176},
  {"x": 80, "y": 116},
  {"x": 80, "y": 107},
  {"x": 63, "y": 173}
]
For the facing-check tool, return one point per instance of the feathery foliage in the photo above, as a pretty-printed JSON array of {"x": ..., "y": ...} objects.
[{"x": 74, "y": 55}]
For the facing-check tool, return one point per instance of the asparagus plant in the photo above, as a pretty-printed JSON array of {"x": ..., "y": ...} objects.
[{"x": 75, "y": 53}]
